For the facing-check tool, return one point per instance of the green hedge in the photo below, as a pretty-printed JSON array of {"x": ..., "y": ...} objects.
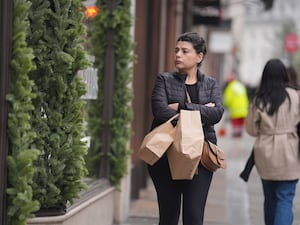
[
  {"x": 20, "y": 203},
  {"x": 46, "y": 161},
  {"x": 45, "y": 127},
  {"x": 56, "y": 35},
  {"x": 119, "y": 21}
]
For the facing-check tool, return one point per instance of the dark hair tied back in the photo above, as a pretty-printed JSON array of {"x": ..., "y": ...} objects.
[{"x": 194, "y": 38}]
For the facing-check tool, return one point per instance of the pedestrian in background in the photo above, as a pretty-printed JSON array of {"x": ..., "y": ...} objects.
[
  {"x": 293, "y": 77},
  {"x": 293, "y": 81},
  {"x": 236, "y": 101},
  {"x": 168, "y": 97},
  {"x": 272, "y": 119}
]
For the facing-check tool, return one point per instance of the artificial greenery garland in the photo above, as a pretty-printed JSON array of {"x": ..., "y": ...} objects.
[
  {"x": 21, "y": 155},
  {"x": 56, "y": 35},
  {"x": 46, "y": 114},
  {"x": 119, "y": 21}
]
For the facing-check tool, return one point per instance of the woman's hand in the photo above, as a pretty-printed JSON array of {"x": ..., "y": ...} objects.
[
  {"x": 210, "y": 104},
  {"x": 174, "y": 106}
]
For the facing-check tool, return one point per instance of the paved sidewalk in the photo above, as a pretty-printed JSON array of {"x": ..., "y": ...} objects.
[{"x": 231, "y": 201}]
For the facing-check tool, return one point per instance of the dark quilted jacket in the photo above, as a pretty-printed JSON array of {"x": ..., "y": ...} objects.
[{"x": 170, "y": 88}]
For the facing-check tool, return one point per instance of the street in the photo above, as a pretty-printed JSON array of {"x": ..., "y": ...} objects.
[{"x": 231, "y": 201}]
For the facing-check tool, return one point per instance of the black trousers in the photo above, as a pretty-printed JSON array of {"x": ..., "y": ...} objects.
[{"x": 171, "y": 194}]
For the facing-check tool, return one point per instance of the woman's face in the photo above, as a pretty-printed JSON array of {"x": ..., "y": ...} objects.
[{"x": 186, "y": 57}]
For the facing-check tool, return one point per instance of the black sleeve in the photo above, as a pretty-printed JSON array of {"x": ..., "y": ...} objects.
[
  {"x": 210, "y": 115},
  {"x": 159, "y": 101}
]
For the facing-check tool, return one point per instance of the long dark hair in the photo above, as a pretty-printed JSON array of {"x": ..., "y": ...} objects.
[
  {"x": 293, "y": 77},
  {"x": 272, "y": 90}
]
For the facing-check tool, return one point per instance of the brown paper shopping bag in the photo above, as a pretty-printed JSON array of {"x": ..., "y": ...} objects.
[
  {"x": 157, "y": 141},
  {"x": 185, "y": 152}
]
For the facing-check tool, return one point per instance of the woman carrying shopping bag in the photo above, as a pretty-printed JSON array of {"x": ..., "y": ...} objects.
[{"x": 168, "y": 98}]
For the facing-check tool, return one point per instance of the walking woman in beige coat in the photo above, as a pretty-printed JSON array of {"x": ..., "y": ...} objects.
[{"x": 273, "y": 116}]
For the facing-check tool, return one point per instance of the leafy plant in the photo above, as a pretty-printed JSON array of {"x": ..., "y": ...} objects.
[
  {"x": 119, "y": 22},
  {"x": 56, "y": 35},
  {"x": 22, "y": 154}
]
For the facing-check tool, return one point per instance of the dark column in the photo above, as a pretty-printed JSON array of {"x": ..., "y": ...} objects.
[
  {"x": 187, "y": 22},
  {"x": 5, "y": 58},
  {"x": 109, "y": 80},
  {"x": 170, "y": 35}
]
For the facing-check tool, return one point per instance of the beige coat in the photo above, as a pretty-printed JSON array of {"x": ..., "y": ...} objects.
[{"x": 276, "y": 146}]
